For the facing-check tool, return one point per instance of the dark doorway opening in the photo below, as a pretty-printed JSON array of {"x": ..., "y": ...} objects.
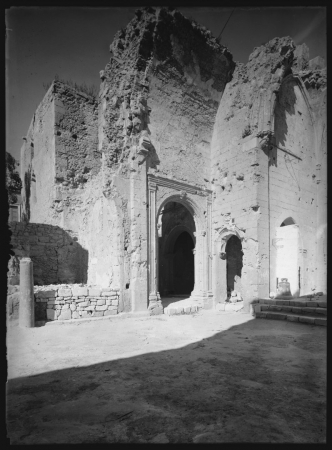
[
  {"x": 234, "y": 264},
  {"x": 183, "y": 264}
]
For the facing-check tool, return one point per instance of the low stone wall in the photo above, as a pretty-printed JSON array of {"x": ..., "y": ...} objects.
[{"x": 74, "y": 302}]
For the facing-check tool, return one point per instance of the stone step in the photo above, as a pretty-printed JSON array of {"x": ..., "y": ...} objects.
[
  {"x": 292, "y": 317},
  {"x": 293, "y": 302},
  {"x": 300, "y": 310}
]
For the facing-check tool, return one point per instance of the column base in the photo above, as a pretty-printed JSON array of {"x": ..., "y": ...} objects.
[
  {"x": 155, "y": 305},
  {"x": 203, "y": 299}
]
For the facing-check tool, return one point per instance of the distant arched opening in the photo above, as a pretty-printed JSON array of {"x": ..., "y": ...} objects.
[
  {"x": 234, "y": 264},
  {"x": 176, "y": 251},
  {"x": 288, "y": 221}
]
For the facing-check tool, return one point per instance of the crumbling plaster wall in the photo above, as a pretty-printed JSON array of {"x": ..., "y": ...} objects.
[
  {"x": 158, "y": 99},
  {"x": 250, "y": 185},
  {"x": 38, "y": 163},
  {"x": 69, "y": 193}
]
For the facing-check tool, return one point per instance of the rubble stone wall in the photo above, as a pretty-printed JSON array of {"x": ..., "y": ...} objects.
[
  {"x": 56, "y": 255},
  {"x": 74, "y": 302}
]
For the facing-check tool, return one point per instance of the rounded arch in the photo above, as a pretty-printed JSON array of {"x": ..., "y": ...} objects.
[
  {"x": 188, "y": 203},
  {"x": 174, "y": 234},
  {"x": 288, "y": 221},
  {"x": 223, "y": 237}
]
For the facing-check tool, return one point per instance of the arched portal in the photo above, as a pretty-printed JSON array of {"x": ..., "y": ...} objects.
[
  {"x": 234, "y": 264},
  {"x": 176, "y": 250},
  {"x": 288, "y": 259}
]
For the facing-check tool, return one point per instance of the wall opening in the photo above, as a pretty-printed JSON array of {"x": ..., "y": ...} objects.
[
  {"x": 176, "y": 251},
  {"x": 234, "y": 264},
  {"x": 287, "y": 255},
  {"x": 288, "y": 221},
  {"x": 183, "y": 265}
]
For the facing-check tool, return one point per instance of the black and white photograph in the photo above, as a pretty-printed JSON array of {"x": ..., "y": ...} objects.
[{"x": 166, "y": 189}]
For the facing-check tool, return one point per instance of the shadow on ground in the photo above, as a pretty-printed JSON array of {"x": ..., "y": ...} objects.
[{"x": 261, "y": 381}]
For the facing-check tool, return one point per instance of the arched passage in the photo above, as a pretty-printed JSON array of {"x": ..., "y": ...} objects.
[
  {"x": 234, "y": 264},
  {"x": 288, "y": 260},
  {"x": 176, "y": 250}
]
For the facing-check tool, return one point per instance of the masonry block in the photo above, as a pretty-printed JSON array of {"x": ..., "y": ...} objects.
[
  {"x": 65, "y": 315},
  {"x": 79, "y": 291},
  {"x": 51, "y": 314},
  {"x": 46, "y": 294},
  {"x": 64, "y": 293}
]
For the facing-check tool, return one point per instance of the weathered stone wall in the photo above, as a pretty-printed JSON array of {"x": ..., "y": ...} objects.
[
  {"x": 158, "y": 99},
  {"x": 67, "y": 302},
  {"x": 173, "y": 103},
  {"x": 56, "y": 255},
  {"x": 257, "y": 185}
]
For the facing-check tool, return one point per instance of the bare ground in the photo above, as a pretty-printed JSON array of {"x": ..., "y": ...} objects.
[{"x": 211, "y": 377}]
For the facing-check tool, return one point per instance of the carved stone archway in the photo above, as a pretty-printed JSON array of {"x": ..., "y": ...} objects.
[
  {"x": 199, "y": 203},
  {"x": 219, "y": 269}
]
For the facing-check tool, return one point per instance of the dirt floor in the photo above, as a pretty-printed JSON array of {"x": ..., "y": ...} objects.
[{"x": 209, "y": 377}]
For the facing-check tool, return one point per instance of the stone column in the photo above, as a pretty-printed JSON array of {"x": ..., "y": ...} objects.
[
  {"x": 199, "y": 293},
  {"x": 155, "y": 305},
  {"x": 27, "y": 303},
  {"x": 209, "y": 303}
]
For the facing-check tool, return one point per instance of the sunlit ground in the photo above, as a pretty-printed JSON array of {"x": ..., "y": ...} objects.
[{"x": 205, "y": 378}]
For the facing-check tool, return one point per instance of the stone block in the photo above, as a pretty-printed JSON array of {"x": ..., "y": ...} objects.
[
  {"x": 51, "y": 314},
  {"x": 58, "y": 307},
  {"x": 46, "y": 294},
  {"x": 305, "y": 319},
  {"x": 172, "y": 311},
  {"x": 261, "y": 315},
  {"x": 84, "y": 304},
  {"x": 322, "y": 311},
  {"x": 106, "y": 293},
  {"x": 297, "y": 309},
  {"x": 111, "y": 307},
  {"x": 64, "y": 292},
  {"x": 115, "y": 302},
  {"x": 101, "y": 302},
  {"x": 65, "y": 315},
  {"x": 84, "y": 314},
  {"x": 110, "y": 312},
  {"x": 94, "y": 292},
  {"x": 80, "y": 291},
  {"x": 321, "y": 321},
  {"x": 311, "y": 304},
  {"x": 90, "y": 308},
  {"x": 193, "y": 308},
  {"x": 308, "y": 310},
  {"x": 101, "y": 308},
  {"x": 72, "y": 306},
  {"x": 108, "y": 302},
  {"x": 322, "y": 304},
  {"x": 187, "y": 310},
  {"x": 277, "y": 316},
  {"x": 97, "y": 313},
  {"x": 180, "y": 310},
  {"x": 66, "y": 306},
  {"x": 75, "y": 315},
  {"x": 59, "y": 302},
  {"x": 293, "y": 318}
]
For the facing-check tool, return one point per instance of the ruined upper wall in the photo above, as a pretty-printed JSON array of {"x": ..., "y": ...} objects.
[
  {"x": 161, "y": 91},
  {"x": 60, "y": 152}
]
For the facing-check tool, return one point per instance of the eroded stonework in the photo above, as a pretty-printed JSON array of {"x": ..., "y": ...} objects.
[{"x": 242, "y": 147}]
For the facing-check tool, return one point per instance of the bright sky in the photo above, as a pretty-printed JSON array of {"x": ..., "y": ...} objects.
[{"x": 73, "y": 42}]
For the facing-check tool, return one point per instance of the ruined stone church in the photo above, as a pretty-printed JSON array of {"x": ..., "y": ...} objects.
[{"x": 190, "y": 174}]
